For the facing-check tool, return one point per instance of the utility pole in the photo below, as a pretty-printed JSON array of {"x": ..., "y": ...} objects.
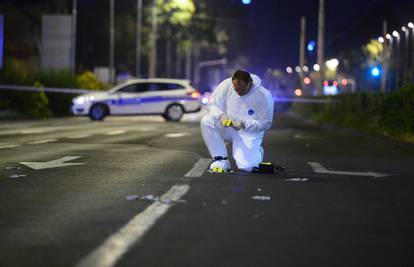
[
  {"x": 73, "y": 50},
  {"x": 111, "y": 40},
  {"x": 188, "y": 63},
  {"x": 302, "y": 50},
  {"x": 138, "y": 40},
  {"x": 321, "y": 44},
  {"x": 178, "y": 57},
  {"x": 153, "y": 55},
  {"x": 385, "y": 58}
]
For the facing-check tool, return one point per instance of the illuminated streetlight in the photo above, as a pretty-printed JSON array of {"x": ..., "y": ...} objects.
[
  {"x": 411, "y": 25},
  {"x": 316, "y": 67},
  {"x": 332, "y": 64},
  {"x": 381, "y": 40},
  {"x": 298, "y": 69},
  {"x": 305, "y": 68},
  {"x": 388, "y": 36},
  {"x": 289, "y": 70},
  {"x": 395, "y": 34}
]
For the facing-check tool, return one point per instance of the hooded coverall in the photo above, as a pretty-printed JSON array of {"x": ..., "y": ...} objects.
[{"x": 255, "y": 109}]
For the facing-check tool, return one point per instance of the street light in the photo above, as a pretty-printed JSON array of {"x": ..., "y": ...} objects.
[
  {"x": 381, "y": 40},
  {"x": 397, "y": 60},
  {"x": 316, "y": 67},
  {"x": 405, "y": 30},
  {"x": 332, "y": 64},
  {"x": 289, "y": 70}
]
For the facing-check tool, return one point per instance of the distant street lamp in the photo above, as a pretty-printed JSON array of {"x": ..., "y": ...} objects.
[
  {"x": 316, "y": 67},
  {"x": 332, "y": 64},
  {"x": 397, "y": 58},
  {"x": 411, "y": 26},
  {"x": 289, "y": 70},
  {"x": 407, "y": 36},
  {"x": 381, "y": 40}
]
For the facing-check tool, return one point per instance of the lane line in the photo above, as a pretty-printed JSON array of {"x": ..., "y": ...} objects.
[
  {"x": 118, "y": 244},
  {"x": 176, "y": 135},
  {"x": 79, "y": 136},
  {"x": 318, "y": 168},
  {"x": 42, "y": 141},
  {"x": 115, "y": 132},
  {"x": 199, "y": 168},
  {"x": 9, "y": 146}
]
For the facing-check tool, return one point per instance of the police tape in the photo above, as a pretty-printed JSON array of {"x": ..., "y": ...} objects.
[
  {"x": 301, "y": 100},
  {"x": 46, "y": 89}
]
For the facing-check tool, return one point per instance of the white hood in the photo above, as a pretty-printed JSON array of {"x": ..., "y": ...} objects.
[{"x": 256, "y": 80}]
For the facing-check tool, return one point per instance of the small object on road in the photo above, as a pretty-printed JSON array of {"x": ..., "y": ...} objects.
[
  {"x": 13, "y": 168},
  {"x": 150, "y": 198},
  {"x": 261, "y": 198},
  {"x": 132, "y": 197},
  {"x": 297, "y": 179},
  {"x": 268, "y": 168},
  {"x": 16, "y": 176},
  {"x": 224, "y": 202}
]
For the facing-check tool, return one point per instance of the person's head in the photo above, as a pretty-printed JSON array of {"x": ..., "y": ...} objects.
[{"x": 242, "y": 82}]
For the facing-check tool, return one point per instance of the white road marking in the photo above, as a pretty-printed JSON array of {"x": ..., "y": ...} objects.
[
  {"x": 42, "y": 141},
  {"x": 9, "y": 145},
  {"x": 79, "y": 136},
  {"x": 176, "y": 135},
  {"x": 299, "y": 136},
  {"x": 37, "y": 131},
  {"x": 53, "y": 163},
  {"x": 199, "y": 168},
  {"x": 318, "y": 168},
  {"x": 116, "y": 132},
  {"x": 119, "y": 243}
]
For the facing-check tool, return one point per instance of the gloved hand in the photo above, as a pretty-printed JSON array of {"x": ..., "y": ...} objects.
[{"x": 236, "y": 125}]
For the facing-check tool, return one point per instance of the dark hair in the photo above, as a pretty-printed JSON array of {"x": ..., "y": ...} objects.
[{"x": 242, "y": 75}]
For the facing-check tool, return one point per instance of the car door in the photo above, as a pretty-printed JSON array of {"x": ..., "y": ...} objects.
[
  {"x": 130, "y": 99},
  {"x": 163, "y": 94}
]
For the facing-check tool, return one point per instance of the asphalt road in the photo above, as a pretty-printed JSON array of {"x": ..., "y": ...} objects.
[{"x": 345, "y": 199}]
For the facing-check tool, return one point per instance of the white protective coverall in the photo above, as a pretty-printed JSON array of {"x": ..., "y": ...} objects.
[{"x": 255, "y": 109}]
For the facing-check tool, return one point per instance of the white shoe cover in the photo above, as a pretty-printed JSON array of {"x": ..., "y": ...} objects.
[{"x": 220, "y": 166}]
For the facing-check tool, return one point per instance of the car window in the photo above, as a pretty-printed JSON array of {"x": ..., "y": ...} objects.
[
  {"x": 174, "y": 86},
  {"x": 135, "y": 88}
]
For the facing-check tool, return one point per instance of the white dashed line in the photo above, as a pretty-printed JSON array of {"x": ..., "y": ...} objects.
[
  {"x": 119, "y": 243},
  {"x": 42, "y": 141},
  {"x": 176, "y": 135},
  {"x": 116, "y": 132},
  {"x": 318, "y": 168},
  {"x": 199, "y": 168},
  {"x": 79, "y": 136},
  {"x": 9, "y": 146}
]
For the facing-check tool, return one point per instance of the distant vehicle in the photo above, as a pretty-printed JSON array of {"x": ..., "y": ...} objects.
[{"x": 170, "y": 98}]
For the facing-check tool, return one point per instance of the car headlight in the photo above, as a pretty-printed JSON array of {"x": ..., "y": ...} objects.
[{"x": 82, "y": 99}]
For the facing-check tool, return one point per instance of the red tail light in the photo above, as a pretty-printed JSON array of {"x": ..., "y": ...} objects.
[{"x": 194, "y": 94}]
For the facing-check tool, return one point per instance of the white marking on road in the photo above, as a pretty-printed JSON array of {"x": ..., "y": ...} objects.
[
  {"x": 42, "y": 141},
  {"x": 318, "y": 168},
  {"x": 299, "y": 136},
  {"x": 38, "y": 131},
  {"x": 79, "y": 136},
  {"x": 176, "y": 135},
  {"x": 9, "y": 145},
  {"x": 199, "y": 168},
  {"x": 116, "y": 132},
  {"x": 53, "y": 163},
  {"x": 119, "y": 243}
]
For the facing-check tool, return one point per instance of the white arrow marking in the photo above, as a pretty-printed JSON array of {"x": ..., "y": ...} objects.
[
  {"x": 318, "y": 168},
  {"x": 53, "y": 163}
]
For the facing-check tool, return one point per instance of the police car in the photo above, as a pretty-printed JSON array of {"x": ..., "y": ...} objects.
[{"x": 170, "y": 98}]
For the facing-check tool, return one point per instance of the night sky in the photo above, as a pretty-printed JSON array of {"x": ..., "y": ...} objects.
[{"x": 268, "y": 30}]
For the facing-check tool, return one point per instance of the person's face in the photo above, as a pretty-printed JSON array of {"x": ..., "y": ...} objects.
[{"x": 241, "y": 87}]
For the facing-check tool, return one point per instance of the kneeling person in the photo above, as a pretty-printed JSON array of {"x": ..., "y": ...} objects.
[{"x": 240, "y": 111}]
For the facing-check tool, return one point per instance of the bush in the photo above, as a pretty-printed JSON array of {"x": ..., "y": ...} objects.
[
  {"x": 42, "y": 104},
  {"x": 88, "y": 80},
  {"x": 385, "y": 113}
]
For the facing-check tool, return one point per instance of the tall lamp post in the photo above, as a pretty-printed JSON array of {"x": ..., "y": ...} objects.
[
  {"x": 411, "y": 26},
  {"x": 397, "y": 58},
  {"x": 406, "y": 36},
  {"x": 138, "y": 39},
  {"x": 390, "y": 62},
  {"x": 111, "y": 40}
]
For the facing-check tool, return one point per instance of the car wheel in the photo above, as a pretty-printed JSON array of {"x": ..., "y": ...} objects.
[
  {"x": 98, "y": 112},
  {"x": 174, "y": 112}
]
